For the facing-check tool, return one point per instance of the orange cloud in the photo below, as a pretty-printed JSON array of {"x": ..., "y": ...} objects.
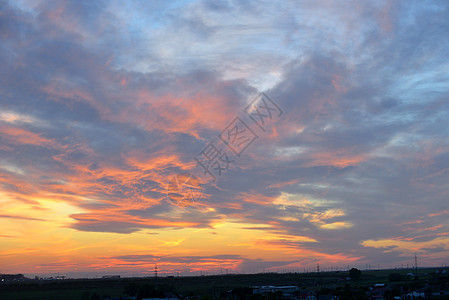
[
  {"x": 19, "y": 136},
  {"x": 339, "y": 159}
]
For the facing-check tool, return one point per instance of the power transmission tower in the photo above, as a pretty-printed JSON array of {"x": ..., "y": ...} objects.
[{"x": 155, "y": 271}]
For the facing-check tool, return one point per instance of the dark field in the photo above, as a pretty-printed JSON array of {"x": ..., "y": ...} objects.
[{"x": 220, "y": 286}]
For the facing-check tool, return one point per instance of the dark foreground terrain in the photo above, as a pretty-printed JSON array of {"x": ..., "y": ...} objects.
[{"x": 432, "y": 283}]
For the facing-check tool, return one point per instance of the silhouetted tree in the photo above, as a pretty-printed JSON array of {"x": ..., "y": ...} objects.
[{"x": 355, "y": 274}]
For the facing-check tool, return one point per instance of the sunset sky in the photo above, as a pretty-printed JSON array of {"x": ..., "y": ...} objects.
[{"x": 102, "y": 103}]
